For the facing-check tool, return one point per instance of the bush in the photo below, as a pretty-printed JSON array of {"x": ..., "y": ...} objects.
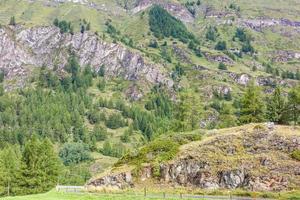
[
  {"x": 100, "y": 133},
  {"x": 74, "y": 153},
  {"x": 114, "y": 150},
  {"x": 160, "y": 150},
  {"x": 221, "y": 46},
  {"x": 115, "y": 121},
  {"x": 296, "y": 155},
  {"x": 222, "y": 66}
]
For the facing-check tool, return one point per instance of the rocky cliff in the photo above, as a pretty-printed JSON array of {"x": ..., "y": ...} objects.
[
  {"x": 253, "y": 157},
  {"x": 20, "y": 48}
]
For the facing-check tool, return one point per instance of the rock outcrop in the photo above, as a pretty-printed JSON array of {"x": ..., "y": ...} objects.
[
  {"x": 254, "y": 157},
  {"x": 117, "y": 181},
  {"x": 257, "y": 160},
  {"x": 47, "y": 46}
]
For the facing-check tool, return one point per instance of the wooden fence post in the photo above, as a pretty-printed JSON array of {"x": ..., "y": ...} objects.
[
  {"x": 145, "y": 191},
  {"x": 180, "y": 195},
  {"x": 164, "y": 194}
]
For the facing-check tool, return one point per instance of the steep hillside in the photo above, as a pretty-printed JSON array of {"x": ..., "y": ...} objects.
[
  {"x": 255, "y": 157},
  {"x": 149, "y": 83}
]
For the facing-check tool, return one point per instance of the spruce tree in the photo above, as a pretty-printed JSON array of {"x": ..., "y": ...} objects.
[
  {"x": 12, "y": 21},
  {"x": 276, "y": 106},
  {"x": 40, "y": 167},
  {"x": 10, "y": 164},
  {"x": 294, "y": 105},
  {"x": 252, "y": 105}
]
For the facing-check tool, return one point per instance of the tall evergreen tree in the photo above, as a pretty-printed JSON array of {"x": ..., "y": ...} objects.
[
  {"x": 10, "y": 163},
  {"x": 294, "y": 105},
  {"x": 40, "y": 168},
  {"x": 276, "y": 106},
  {"x": 252, "y": 105}
]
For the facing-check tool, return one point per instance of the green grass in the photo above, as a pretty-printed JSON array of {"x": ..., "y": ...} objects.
[
  {"x": 68, "y": 196},
  {"x": 53, "y": 195}
]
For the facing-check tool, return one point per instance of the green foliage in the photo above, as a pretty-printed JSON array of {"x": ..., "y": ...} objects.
[
  {"x": 115, "y": 121},
  {"x": 74, "y": 153},
  {"x": 191, "y": 7},
  {"x": 178, "y": 72},
  {"x": 63, "y": 25},
  {"x": 188, "y": 112},
  {"x": 34, "y": 170},
  {"x": 290, "y": 75},
  {"x": 10, "y": 170},
  {"x": 226, "y": 117},
  {"x": 222, "y": 66},
  {"x": 296, "y": 155},
  {"x": 160, "y": 149},
  {"x": 165, "y": 54},
  {"x": 1, "y": 76},
  {"x": 153, "y": 43},
  {"x": 100, "y": 133},
  {"x": 126, "y": 135},
  {"x": 221, "y": 46},
  {"x": 293, "y": 108},
  {"x": 276, "y": 107},
  {"x": 241, "y": 35},
  {"x": 101, "y": 71},
  {"x": 212, "y": 33},
  {"x": 114, "y": 150},
  {"x": 111, "y": 30},
  {"x": 247, "y": 47},
  {"x": 162, "y": 24},
  {"x": 160, "y": 103},
  {"x": 12, "y": 21},
  {"x": 101, "y": 85},
  {"x": 252, "y": 105}
]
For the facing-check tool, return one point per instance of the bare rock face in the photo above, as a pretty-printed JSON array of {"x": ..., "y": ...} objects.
[
  {"x": 285, "y": 56},
  {"x": 260, "y": 23},
  {"x": 114, "y": 181},
  {"x": 47, "y": 46},
  {"x": 218, "y": 58}
]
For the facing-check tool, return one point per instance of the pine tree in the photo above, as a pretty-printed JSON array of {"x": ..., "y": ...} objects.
[
  {"x": 40, "y": 167},
  {"x": 32, "y": 174},
  {"x": 252, "y": 105},
  {"x": 50, "y": 163},
  {"x": 294, "y": 105},
  {"x": 12, "y": 21},
  {"x": 9, "y": 170},
  {"x": 276, "y": 106}
]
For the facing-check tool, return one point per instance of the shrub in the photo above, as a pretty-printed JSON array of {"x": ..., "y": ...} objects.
[
  {"x": 259, "y": 127},
  {"x": 115, "y": 121},
  {"x": 114, "y": 150},
  {"x": 222, "y": 66},
  {"x": 221, "y": 45},
  {"x": 296, "y": 155},
  {"x": 100, "y": 133},
  {"x": 74, "y": 153}
]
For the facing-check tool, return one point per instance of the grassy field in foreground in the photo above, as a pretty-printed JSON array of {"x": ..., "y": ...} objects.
[
  {"x": 52, "y": 195},
  {"x": 71, "y": 196},
  {"x": 67, "y": 196}
]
